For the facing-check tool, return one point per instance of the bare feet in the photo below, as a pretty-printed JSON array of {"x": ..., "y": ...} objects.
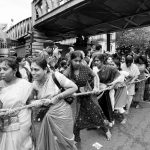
[
  {"x": 137, "y": 106},
  {"x": 111, "y": 124},
  {"x": 108, "y": 135}
]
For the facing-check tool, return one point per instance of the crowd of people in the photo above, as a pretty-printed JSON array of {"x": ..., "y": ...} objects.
[{"x": 114, "y": 82}]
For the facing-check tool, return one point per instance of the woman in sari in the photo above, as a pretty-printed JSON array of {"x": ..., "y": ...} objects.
[
  {"x": 89, "y": 114},
  {"x": 56, "y": 131},
  {"x": 14, "y": 93}
]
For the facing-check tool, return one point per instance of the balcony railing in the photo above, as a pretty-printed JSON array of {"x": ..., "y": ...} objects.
[
  {"x": 19, "y": 30},
  {"x": 42, "y": 7},
  {"x": 10, "y": 44},
  {"x": 3, "y": 45}
]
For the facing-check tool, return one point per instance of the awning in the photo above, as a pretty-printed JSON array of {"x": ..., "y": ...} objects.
[{"x": 91, "y": 17}]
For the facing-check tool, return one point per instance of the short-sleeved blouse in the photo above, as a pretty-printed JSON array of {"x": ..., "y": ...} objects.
[
  {"x": 50, "y": 89},
  {"x": 85, "y": 75}
]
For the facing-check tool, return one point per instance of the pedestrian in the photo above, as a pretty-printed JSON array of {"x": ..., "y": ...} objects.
[
  {"x": 109, "y": 76},
  {"x": 15, "y": 92},
  {"x": 56, "y": 131},
  {"x": 25, "y": 73},
  {"x": 89, "y": 114},
  {"x": 121, "y": 96}
]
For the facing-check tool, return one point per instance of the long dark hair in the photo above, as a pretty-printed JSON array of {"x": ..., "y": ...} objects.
[
  {"x": 12, "y": 63},
  {"x": 19, "y": 59},
  {"x": 118, "y": 63},
  {"x": 143, "y": 58},
  {"x": 129, "y": 59},
  {"x": 73, "y": 55},
  {"x": 101, "y": 57},
  {"x": 76, "y": 54}
]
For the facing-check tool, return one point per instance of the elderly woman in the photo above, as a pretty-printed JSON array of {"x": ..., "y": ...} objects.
[
  {"x": 56, "y": 131},
  {"x": 14, "y": 93},
  {"x": 90, "y": 114}
]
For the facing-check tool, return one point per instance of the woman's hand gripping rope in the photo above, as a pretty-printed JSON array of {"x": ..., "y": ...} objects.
[
  {"x": 34, "y": 103},
  {"x": 37, "y": 103},
  {"x": 11, "y": 111}
]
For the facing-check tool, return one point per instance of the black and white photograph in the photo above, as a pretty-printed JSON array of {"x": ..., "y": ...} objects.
[{"x": 75, "y": 75}]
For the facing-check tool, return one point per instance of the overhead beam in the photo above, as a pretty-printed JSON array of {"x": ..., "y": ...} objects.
[
  {"x": 130, "y": 21},
  {"x": 115, "y": 26},
  {"x": 110, "y": 22},
  {"x": 141, "y": 6},
  {"x": 111, "y": 10},
  {"x": 108, "y": 42},
  {"x": 101, "y": 30}
]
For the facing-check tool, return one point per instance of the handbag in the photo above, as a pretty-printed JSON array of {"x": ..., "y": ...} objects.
[
  {"x": 69, "y": 99},
  {"x": 38, "y": 113}
]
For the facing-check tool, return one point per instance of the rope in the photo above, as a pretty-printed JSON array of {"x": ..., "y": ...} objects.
[
  {"x": 38, "y": 103},
  {"x": 6, "y": 112},
  {"x": 108, "y": 88}
]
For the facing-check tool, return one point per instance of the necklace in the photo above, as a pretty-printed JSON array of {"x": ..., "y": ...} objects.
[{"x": 42, "y": 82}]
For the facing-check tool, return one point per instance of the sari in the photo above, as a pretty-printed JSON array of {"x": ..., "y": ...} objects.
[
  {"x": 56, "y": 130},
  {"x": 16, "y": 131}
]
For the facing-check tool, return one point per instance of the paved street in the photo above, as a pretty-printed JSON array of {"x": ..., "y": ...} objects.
[{"x": 134, "y": 135}]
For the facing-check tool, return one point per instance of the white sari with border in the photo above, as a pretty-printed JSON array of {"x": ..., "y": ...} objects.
[{"x": 16, "y": 135}]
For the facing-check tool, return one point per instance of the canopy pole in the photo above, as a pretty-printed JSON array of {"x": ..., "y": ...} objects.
[{"x": 108, "y": 42}]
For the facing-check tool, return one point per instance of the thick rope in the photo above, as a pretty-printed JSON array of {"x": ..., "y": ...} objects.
[
  {"x": 6, "y": 112},
  {"x": 38, "y": 103}
]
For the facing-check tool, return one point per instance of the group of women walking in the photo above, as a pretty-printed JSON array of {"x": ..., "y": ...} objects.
[{"x": 57, "y": 129}]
